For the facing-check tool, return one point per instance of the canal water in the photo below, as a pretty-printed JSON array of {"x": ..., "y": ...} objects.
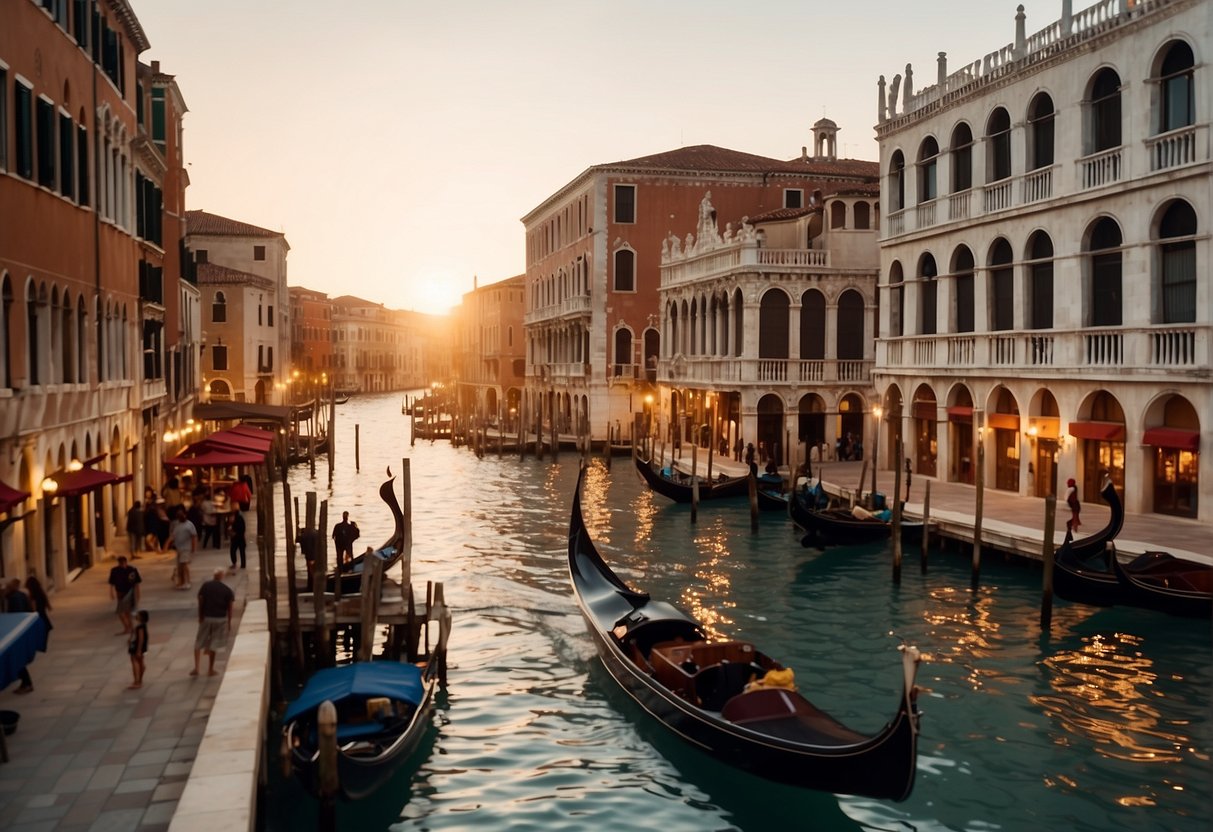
[{"x": 1105, "y": 724}]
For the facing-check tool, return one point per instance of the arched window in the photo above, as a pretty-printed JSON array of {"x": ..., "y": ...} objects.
[
  {"x": 838, "y": 214},
  {"x": 67, "y": 335},
  {"x": 81, "y": 341},
  {"x": 1177, "y": 262},
  {"x": 625, "y": 270},
  {"x": 32, "y": 335},
  {"x": 1040, "y": 281},
  {"x": 623, "y": 352},
  {"x": 1104, "y": 131},
  {"x": 927, "y": 294},
  {"x": 773, "y": 324},
  {"x": 219, "y": 309},
  {"x": 1103, "y": 245},
  {"x": 962, "y": 271},
  {"x": 1177, "y": 91},
  {"x": 962, "y": 158},
  {"x": 738, "y": 322},
  {"x": 6, "y": 331},
  {"x": 1040, "y": 132},
  {"x": 998, "y": 138},
  {"x": 1002, "y": 286},
  {"x": 897, "y": 182},
  {"x": 812, "y": 326},
  {"x": 850, "y": 338},
  {"x": 897, "y": 300},
  {"x": 862, "y": 217},
  {"x": 928, "y": 156}
]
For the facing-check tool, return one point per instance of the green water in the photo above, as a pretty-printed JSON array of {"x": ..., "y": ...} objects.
[{"x": 1104, "y": 724}]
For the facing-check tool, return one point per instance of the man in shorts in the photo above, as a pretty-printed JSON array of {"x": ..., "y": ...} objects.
[
  {"x": 124, "y": 588},
  {"x": 215, "y": 601},
  {"x": 185, "y": 541}
]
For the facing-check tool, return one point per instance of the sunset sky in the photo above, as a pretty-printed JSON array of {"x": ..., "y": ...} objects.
[{"x": 398, "y": 143}]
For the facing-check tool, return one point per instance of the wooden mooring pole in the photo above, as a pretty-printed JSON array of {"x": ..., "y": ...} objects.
[
  {"x": 324, "y": 651},
  {"x": 897, "y": 514},
  {"x": 752, "y": 486},
  {"x": 694, "y": 482},
  {"x": 1046, "y": 553},
  {"x": 981, "y": 498},
  {"x": 372, "y": 582},
  {"x": 357, "y": 453},
  {"x": 292, "y": 591},
  {"x": 326, "y": 766},
  {"x": 926, "y": 523}
]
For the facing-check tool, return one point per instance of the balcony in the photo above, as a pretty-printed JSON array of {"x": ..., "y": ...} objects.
[
  {"x": 741, "y": 256},
  {"x": 1185, "y": 146},
  {"x": 764, "y": 371},
  {"x": 577, "y": 305},
  {"x": 1099, "y": 169},
  {"x": 1154, "y": 351}
]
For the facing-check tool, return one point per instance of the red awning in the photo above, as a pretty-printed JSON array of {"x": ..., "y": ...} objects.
[
  {"x": 75, "y": 483},
  {"x": 924, "y": 410},
  {"x": 1003, "y": 421},
  {"x": 227, "y": 439},
  {"x": 214, "y": 457},
  {"x": 9, "y": 497},
  {"x": 1099, "y": 431},
  {"x": 266, "y": 436},
  {"x": 960, "y": 413},
  {"x": 1178, "y": 438}
]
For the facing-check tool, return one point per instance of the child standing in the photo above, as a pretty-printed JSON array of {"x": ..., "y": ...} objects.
[{"x": 137, "y": 647}]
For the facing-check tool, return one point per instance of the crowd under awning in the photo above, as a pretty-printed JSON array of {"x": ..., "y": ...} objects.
[{"x": 241, "y": 445}]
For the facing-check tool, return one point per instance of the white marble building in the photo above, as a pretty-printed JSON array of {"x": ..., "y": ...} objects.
[{"x": 1044, "y": 265}]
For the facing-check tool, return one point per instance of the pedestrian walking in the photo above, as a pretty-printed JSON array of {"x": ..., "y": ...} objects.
[
  {"x": 124, "y": 583},
  {"x": 137, "y": 649},
  {"x": 1072, "y": 501},
  {"x": 210, "y": 520},
  {"x": 908, "y": 477},
  {"x": 215, "y": 601},
  {"x": 236, "y": 535},
  {"x": 136, "y": 530},
  {"x": 185, "y": 541},
  {"x": 344, "y": 535},
  {"x": 17, "y": 601},
  {"x": 241, "y": 494}
]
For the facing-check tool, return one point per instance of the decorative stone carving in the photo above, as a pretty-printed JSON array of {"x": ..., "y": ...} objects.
[{"x": 893, "y": 88}]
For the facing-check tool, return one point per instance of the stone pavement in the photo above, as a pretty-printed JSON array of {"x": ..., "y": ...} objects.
[{"x": 89, "y": 754}]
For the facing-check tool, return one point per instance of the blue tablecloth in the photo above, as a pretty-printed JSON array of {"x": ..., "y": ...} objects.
[{"x": 22, "y": 634}]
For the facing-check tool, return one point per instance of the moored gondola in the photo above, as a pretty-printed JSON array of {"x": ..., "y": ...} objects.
[
  {"x": 729, "y": 699},
  {"x": 678, "y": 487},
  {"x": 825, "y": 526},
  {"x": 1160, "y": 581},
  {"x": 1082, "y": 571},
  {"x": 390, "y": 552},
  {"x": 383, "y": 711}
]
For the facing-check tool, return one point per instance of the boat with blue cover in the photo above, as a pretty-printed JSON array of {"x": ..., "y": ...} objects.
[{"x": 383, "y": 711}]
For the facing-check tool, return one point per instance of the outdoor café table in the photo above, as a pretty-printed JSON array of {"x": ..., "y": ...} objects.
[{"x": 22, "y": 635}]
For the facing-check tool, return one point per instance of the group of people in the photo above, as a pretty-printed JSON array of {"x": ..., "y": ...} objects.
[
  {"x": 31, "y": 598},
  {"x": 159, "y": 522}
]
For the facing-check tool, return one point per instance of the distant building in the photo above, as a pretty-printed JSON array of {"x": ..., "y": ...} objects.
[
  {"x": 377, "y": 349},
  {"x": 1045, "y": 290},
  {"x": 312, "y": 334},
  {"x": 245, "y": 317},
  {"x": 98, "y": 322},
  {"x": 490, "y": 352},
  {"x": 593, "y": 255}
]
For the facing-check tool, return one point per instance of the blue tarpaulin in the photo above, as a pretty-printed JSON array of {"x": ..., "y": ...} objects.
[
  {"x": 363, "y": 679},
  {"x": 22, "y": 634}
]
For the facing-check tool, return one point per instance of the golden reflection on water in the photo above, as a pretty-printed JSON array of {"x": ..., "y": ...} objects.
[
  {"x": 962, "y": 630},
  {"x": 1104, "y": 693}
]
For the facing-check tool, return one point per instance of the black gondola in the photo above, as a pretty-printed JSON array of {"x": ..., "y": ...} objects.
[
  {"x": 1160, "y": 581},
  {"x": 383, "y": 711},
  {"x": 1081, "y": 569},
  {"x": 729, "y": 699},
  {"x": 846, "y": 527},
  {"x": 678, "y": 487},
  {"x": 389, "y": 552}
]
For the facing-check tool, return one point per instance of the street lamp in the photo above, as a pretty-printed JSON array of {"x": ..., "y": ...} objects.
[{"x": 877, "y": 412}]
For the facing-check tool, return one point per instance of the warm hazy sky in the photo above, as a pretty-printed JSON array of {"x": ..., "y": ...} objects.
[{"x": 397, "y": 142}]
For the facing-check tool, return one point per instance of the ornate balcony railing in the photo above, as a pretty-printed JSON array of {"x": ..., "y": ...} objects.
[
  {"x": 763, "y": 371},
  {"x": 1099, "y": 169},
  {"x": 1176, "y": 148},
  {"x": 1124, "y": 350}
]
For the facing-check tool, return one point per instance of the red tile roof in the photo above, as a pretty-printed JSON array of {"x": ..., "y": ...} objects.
[
  {"x": 707, "y": 157},
  {"x": 208, "y": 224},
  {"x": 212, "y": 274}
]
